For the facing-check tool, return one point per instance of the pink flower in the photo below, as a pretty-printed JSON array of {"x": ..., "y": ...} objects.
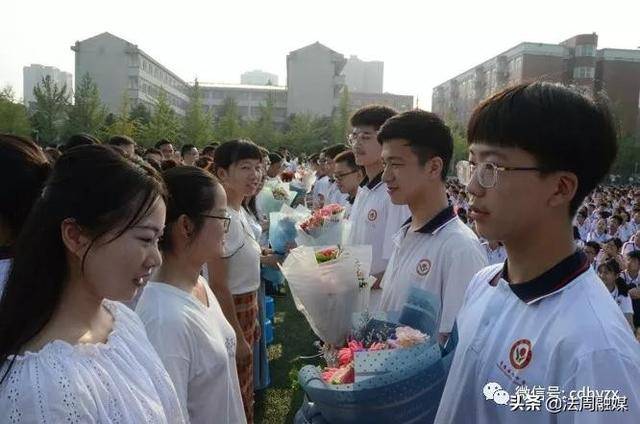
[
  {"x": 345, "y": 355},
  {"x": 355, "y": 346},
  {"x": 328, "y": 373},
  {"x": 378, "y": 346},
  {"x": 344, "y": 375},
  {"x": 408, "y": 337}
]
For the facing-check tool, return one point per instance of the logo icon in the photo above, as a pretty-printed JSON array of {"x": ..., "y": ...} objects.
[
  {"x": 372, "y": 215},
  {"x": 493, "y": 391},
  {"x": 520, "y": 354},
  {"x": 423, "y": 267}
]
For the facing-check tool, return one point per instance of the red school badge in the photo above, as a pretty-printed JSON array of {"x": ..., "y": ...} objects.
[
  {"x": 423, "y": 267},
  {"x": 520, "y": 354},
  {"x": 372, "y": 215}
]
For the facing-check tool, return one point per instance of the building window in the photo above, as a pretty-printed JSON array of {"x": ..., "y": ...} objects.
[
  {"x": 584, "y": 72},
  {"x": 585, "y": 50}
]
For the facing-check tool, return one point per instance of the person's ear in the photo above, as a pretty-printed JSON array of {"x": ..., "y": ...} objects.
[
  {"x": 222, "y": 174},
  {"x": 74, "y": 237},
  {"x": 185, "y": 226},
  {"x": 565, "y": 185},
  {"x": 433, "y": 168}
]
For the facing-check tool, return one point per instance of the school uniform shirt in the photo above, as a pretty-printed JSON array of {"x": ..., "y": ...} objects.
[
  {"x": 198, "y": 349},
  {"x": 244, "y": 258},
  {"x": 629, "y": 247},
  {"x": 334, "y": 195},
  {"x": 320, "y": 190},
  {"x": 441, "y": 258},
  {"x": 560, "y": 329},
  {"x": 599, "y": 238},
  {"x": 584, "y": 230},
  {"x": 496, "y": 256},
  {"x": 624, "y": 302}
]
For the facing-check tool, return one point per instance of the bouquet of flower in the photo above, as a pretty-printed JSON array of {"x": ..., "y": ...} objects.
[
  {"x": 287, "y": 176},
  {"x": 325, "y": 226},
  {"x": 282, "y": 227},
  {"x": 273, "y": 196},
  {"x": 391, "y": 371},
  {"x": 328, "y": 286},
  {"x": 303, "y": 180}
]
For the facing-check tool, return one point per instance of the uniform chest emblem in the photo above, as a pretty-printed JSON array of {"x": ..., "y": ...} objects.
[
  {"x": 423, "y": 267},
  {"x": 372, "y": 215},
  {"x": 520, "y": 354}
]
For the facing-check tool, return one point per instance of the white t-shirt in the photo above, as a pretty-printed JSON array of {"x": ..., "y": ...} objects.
[
  {"x": 5, "y": 265},
  {"x": 197, "y": 346},
  {"x": 374, "y": 221},
  {"x": 244, "y": 262},
  {"x": 441, "y": 258},
  {"x": 334, "y": 195},
  {"x": 120, "y": 381},
  {"x": 560, "y": 330}
]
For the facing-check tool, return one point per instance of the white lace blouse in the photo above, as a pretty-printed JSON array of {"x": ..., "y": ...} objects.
[{"x": 120, "y": 381}]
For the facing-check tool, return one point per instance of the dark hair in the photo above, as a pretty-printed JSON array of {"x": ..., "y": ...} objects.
[
  {"x": 191, "y": 193},
  {"x": 23, "y": 171},
  {"x": 161, "y": 143},
  {"x": 102, "y": 191},
  {"x": 332, "y": 151},
  {"x": 561, "y": 128},
  {"x": 185, "y": 149},
  {"x": 275, "y": 158},
  {"x": 168, "y": 164},
  {"x": 618, "y": 218},
  {"x": 314, "y": 158},
  {"x": 426, "y": 135},
  {"x": 206, "y": 163},
  {"x": 121, "y": 140},
  {"x": 373, "y": 115},
  {"x": 209, "y": 150},
  {"x": 81, "y": 139},
  {"x": 234, "y": 151},
  {"x": 349, "y": 158},
  {"x": 153, "y": 151},
  {"x": 634, "y": 254},
  {"x": 612, "y": 265},
  {"x": 593, "y": 244},
  {"x": 616, "y": 241}
]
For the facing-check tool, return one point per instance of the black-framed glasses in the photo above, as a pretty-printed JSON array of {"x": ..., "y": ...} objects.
[
  {"x": 339, "y": 177},
  {"x": 485, "y": 172},
  {"x": 226, "y": 220}
]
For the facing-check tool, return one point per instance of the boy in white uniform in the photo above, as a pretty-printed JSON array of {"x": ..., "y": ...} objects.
[
  {"x": 434, "y": 250},
  {"x": 543, "y": 320},
  {"x": 374, "y": 219}
]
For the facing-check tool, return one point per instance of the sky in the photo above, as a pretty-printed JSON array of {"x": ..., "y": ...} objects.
[{"x": 422, "y": 43}]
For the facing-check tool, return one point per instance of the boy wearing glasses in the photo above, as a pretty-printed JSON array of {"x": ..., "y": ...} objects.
[
  {"x": 434, "y": 250},
  {"x": 347, "y": 176},
  {"x": 374, "y": 219},
  {"x": 543, "y": 320}
]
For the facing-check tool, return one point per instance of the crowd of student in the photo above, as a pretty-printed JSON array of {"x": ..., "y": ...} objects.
[{"x": 133, "y": 281}]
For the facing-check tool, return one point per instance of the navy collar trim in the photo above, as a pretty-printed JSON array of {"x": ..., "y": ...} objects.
[
  {"x": 551, "y": 281},
  {"x": 440, "y": 220},
  {"x": 373, "y": 183},
  {"x": 6, "y": 252}
]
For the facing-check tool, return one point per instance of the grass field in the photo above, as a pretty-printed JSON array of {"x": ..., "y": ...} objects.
[{"x": 293, "y": 338}]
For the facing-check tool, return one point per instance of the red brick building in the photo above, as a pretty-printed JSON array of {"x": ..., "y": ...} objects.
[{"x": 576, "y": 61}]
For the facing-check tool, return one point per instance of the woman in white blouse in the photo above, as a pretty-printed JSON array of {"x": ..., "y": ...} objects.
[
  {"x": 69, "y": 352},
  {"x": 238, "y": 166},
  {"x": 182, "y": 316}
]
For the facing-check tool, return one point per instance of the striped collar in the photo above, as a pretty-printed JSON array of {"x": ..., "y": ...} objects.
[
  {"x": 437, "y": 222},
  {"x": 373, "y": 183},
  {"x": 551, "y": 281}
]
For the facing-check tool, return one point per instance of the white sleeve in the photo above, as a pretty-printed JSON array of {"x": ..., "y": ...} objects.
[
  {"x": 605, "y": 370},
  {"x": 460, "y": 269},
  {"x": 172, "y": 342},
  {"x": 397, "y": 215}
]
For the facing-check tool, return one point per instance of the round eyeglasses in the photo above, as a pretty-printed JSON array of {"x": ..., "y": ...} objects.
[{"x": 485, "y": 172}]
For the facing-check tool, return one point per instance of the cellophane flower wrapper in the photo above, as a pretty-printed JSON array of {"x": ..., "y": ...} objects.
[
  {"x": 332, "y": 232},
  {"x": 328, "y": 294},
  {"x": 282, "y": 227},
  {"x": 390, "y": 386},
  {"x": 267, "y": 203},
  {"x": 303, "y": 181}
]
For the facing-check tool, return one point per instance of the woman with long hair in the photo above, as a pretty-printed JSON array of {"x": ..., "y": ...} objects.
[
  {"x": 23, "y": 170},
  {"x": 69, "y": 351},
  {"x": 182, "y": 316}
]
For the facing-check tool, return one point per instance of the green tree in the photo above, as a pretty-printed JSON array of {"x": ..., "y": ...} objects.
[
  {"x": 122, "y": 123},
  {"x": 263, "y": 130},
  {"x": 627, "y": 163},
  {"x": 460, "y": 147},
  {"x": 229, "y": 123},
  {"x": 198, "y": 128},
  {"x": 50, "y": 110},
  {"x": 305, "y": 134},
  {"x": 13, "y": 115},
  {"x": 340, "y": 119},
  {"x": 140, "y": 113},
  {"x": 164, "y": 123},
  {"x": 87, "y": 114}
]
